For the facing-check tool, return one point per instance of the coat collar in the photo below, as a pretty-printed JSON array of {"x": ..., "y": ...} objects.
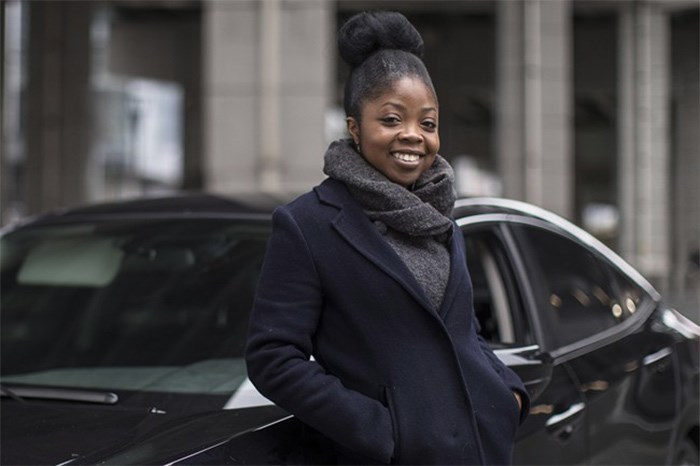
[{"x": 353, "y": 225}]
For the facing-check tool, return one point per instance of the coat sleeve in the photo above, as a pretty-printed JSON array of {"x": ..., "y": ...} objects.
[{"x": 284, "y": 318}]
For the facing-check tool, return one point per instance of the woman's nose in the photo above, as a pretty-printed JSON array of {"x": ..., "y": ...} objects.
[{"x": 411, "y": 133}]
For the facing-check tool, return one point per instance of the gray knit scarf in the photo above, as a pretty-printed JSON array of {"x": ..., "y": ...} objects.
[{"x": 416, "y": 222}]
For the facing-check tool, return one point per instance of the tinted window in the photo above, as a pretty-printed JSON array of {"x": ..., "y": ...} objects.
[
  {"x": 142, "y": 305},
  {"x": 497, "y": 302},
  {"x": 574, "y": 288},
  {"x": 630, "y": 295}
]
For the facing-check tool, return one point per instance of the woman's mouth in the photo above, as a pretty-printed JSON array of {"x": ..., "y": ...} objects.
[{"x": 409, "y": 157}]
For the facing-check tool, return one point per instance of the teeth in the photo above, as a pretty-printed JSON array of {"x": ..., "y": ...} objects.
[{"x": 406, "y": 157}]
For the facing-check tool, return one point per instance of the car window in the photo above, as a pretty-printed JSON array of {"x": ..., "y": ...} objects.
[
  {"x": 150, "y": 305},
  {"x": 575, "y": 289},
  {"x": 497, "y": 302}
]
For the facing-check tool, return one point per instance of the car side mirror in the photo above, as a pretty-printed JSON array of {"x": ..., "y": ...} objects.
[{"x": 533, "y": 366}]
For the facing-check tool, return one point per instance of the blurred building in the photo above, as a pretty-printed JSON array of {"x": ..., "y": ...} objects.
[{"x": 585, "y": 107}]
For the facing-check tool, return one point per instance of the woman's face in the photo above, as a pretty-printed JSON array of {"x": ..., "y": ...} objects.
[{"x": 398, "y": 131}]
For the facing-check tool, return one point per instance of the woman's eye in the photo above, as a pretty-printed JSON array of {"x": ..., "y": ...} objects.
[
  {"x": 390, "y": 120},
  {"x": 430, "y": 124}
]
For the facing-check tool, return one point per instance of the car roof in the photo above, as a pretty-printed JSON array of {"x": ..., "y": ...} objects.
[
  {"x": 470, "y": 206},
  {"x": 184, "y": 203},
  {"x": 210, "y": 204},
  {"x": 179, "y": 205}
]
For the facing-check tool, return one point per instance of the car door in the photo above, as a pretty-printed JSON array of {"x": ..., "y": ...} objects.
[
  {"x": 554, "y": 431},
  {"x": 599, "y": 321}
]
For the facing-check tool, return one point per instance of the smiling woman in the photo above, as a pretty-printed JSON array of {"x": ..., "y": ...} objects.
[{"x": 364, "y": 303}]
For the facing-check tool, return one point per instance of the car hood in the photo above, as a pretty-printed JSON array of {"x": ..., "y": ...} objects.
[{"x": 51, "y": 433}]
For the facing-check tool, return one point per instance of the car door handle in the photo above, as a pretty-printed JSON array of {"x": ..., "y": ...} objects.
[
  {"x": 562, "y": 424},
  {"x": 653, "y": 358}
]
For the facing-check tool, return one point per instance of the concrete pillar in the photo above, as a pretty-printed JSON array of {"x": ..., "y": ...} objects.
[
  {"x": 534, "y": 127},
  {"x": 644, "y": 138},
  {"x": 270, "y": 77},
  {"x": 58, "y": 119},
  {"x": 685, "y": 179},
  {"x": 509, "y": 125},
  {"x": 229, "y": 92},
  {"x": 11, "y": 142},
  {"x": 267, "y": 85},
  {"x": 308, "y": 82}
]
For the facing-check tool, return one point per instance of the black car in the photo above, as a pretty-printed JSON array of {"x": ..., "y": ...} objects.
[{"x": 123, "y": 329}]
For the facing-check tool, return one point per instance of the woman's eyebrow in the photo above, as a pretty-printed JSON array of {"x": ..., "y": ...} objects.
[{"x": 403, "y": 107}]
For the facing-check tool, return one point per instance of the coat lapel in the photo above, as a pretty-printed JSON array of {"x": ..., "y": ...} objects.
[
  {"x": 353, "y": 225},
  {"x": 459, "y": 276}
]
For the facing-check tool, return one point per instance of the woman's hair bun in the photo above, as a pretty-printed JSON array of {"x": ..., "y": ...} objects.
[{"x": 366, "y": 33}]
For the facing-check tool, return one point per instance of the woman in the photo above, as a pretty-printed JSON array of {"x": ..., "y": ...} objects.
[{"x": 367, "y": 274}]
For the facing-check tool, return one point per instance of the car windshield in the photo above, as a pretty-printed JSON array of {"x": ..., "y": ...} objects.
[{"x": 140, "y": 305}]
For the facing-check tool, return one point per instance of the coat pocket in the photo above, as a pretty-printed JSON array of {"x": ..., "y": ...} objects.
[{"x": 387, "y": 399}]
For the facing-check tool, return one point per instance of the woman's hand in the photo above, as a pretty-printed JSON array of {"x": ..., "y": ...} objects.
[{"x": 519, "y": 399}]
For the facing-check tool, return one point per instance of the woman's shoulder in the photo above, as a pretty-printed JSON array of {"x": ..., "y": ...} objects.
[{"x": 328, "y": 193}]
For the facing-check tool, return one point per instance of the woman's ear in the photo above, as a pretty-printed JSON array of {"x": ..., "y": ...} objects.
[{"x": 353, "y": 129}]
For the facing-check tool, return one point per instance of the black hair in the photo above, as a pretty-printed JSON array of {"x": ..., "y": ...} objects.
[{"x": 381, "y": 47}]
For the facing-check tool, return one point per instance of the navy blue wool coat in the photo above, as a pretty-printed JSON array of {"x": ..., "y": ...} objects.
[{"x": 392, "y": 380}]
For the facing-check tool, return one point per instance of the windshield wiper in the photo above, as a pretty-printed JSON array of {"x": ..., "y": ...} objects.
[
  {"x": 4, "y": 391},
  {"x": 55, "y": 393}
]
